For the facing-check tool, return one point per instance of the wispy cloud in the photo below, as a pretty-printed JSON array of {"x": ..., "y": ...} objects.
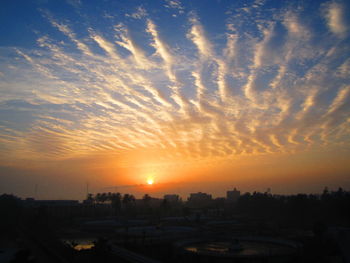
[
  {"x": 175, "y": 5},
  {"x": 138, "y": 14},
  {"x": 278, "y": 88},
  {"x": 335, "y": 15}
]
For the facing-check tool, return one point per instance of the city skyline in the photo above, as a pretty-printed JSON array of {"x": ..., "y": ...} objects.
[{"x": 173, "y": 96}]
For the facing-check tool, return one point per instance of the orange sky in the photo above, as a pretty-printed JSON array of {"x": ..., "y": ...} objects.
[
  {"x": 283, "y": 173},
  {"x": 198, "y": 95}
]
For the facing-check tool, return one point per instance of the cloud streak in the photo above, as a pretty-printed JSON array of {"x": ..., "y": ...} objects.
[{"x": 204, "y": 98}]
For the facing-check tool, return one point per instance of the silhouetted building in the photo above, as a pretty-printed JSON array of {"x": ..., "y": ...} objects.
[
  {"x": 151, "y": 201},
  {"x": 172, "y": 197},
  {"x": 50, "y": 203},
  {"x": 55, "y": 208},
  {"x": 232, "y": 196},
  {"x": 199, "y": 199}
]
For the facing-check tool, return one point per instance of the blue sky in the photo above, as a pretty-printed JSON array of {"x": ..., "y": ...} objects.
[{"x": 191, "y": 82}]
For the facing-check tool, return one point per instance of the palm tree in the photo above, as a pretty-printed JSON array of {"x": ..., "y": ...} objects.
[
  {"x": 116, "y": 202},
  {"x": 104, "y": 197},
  {"x": 98, "y": 197},
  {"x": 127, "y": 198},
  {"x": 132, "y": 198},
  {"x": 109, "y": 196},
  {"x": 146, "y": 198},
  {"x": 89, "y": 198}
]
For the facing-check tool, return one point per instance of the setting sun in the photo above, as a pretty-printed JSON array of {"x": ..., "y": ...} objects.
[{"x": 150, "y": 181}]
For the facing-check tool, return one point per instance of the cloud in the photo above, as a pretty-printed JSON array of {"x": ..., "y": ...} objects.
[
  {"x": 335, "y": 17},
  {"x": 130, "y": 44},
  {"x": 175, "y": 5},
  {"x": 74, "y": 3},
  {"x": 138, "y": 14},
  {"x": 67, "y": 31},
  {"x": 198, "y": 36},
  {"x": 134, "y": 90},
  {"x": 340, "y": 100}
]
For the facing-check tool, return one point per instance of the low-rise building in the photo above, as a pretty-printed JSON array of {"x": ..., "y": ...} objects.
[
  {"x": 172, "y": 197},
  {"x": 199, "y": 199},
  {"x": 233, "y": 195}
]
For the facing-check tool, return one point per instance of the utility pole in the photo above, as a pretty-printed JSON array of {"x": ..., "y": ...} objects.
[
  {"x": 36, "y": 191},
  {"x": 87, "y": 188}
]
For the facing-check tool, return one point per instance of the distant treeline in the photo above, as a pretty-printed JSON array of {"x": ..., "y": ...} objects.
[
  {"x": 116, "y": 199},
  {"x": 332, "y": 207},
  {"x": 109, "y": 197}
]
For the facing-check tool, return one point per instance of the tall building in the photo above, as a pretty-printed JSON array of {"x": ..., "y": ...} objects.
[{"x": 232, "y": 196}]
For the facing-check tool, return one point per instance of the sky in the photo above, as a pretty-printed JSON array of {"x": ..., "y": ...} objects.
[{"x": 197, "y": 95}]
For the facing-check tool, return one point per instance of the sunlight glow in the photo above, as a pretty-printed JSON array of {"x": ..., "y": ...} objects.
[{"x": 150, "y": 181}]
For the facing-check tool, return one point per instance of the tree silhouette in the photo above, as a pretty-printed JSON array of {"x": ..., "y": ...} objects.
[
  {"x": 115, "y": 199},
  {"x": 147, "y": 198}
]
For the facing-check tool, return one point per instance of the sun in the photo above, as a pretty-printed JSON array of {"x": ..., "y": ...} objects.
[{"x": 150, "y": 181}]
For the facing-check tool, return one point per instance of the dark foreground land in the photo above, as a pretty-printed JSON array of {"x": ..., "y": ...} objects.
[{"x": 258, "y": 227}]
